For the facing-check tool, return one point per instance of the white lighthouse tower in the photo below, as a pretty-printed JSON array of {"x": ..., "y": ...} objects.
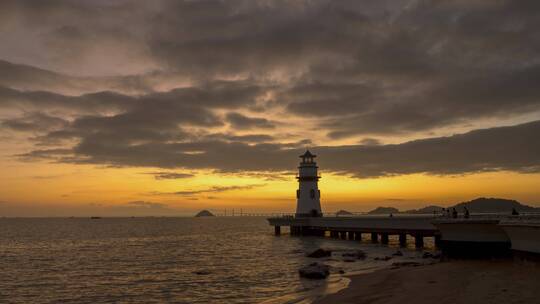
[{"x": 308, "y": 194}]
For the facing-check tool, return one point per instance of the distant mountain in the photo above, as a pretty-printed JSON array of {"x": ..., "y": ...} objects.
[
  {"x": 383, "y": 210},
  {"x": 494, "y": 205},
  {"x": 425, "y": 210},
  {"x": 343, "y": 212},
  {"x": 204, "y": 213},
  {"x": 478, "y": 205}
]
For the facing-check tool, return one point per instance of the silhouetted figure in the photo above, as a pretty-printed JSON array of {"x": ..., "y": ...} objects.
[
  {"x": 467, "y": 215},
  {"x": 391, "y": 215},
  {"x": 454, "y": 213},
  {"x": 514, "y": 211}
]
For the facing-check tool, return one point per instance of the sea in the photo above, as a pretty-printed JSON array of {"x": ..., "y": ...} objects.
[{"x": 172, "y": 260}]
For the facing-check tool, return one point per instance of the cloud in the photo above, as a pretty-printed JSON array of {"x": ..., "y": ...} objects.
[
  {"x": 34, "y": 122},
  {"x": 145, "y": 204},
  {"x": 170, "y": 175},
  {"x": 370, "y": 142},
  {"x": 239, "y": 121},
  {"x": 170, "y": 83},
  {"x": 44, "y": 177},
  {"x": 390, "y": 67},
  {"x": 216, "y": 189},
  {"x": 513, "y": 148}
]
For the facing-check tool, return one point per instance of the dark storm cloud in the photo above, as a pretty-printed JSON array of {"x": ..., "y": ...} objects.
[
  {"x": 218, "y": 94},
  {"x": 514, "y": 148},
  {"x": 364, "y": 67},
  {"x": 109, "y": 118},
  {"x": 41, "y": 100},
  {"x": 359, "y": 68},
  {"x": 511, "y": 148},
  {"x": 34, "y": 122},
  {"x": 251, "y": 138},
  {"x": 28, "y": 78},
  {"x": 369, "y": 69}
]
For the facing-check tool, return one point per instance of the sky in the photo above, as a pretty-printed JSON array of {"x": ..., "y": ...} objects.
[{"x": 130, "y": 108}]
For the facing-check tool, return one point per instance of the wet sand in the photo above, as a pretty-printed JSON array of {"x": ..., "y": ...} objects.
[{"x": 446, "y": 282}]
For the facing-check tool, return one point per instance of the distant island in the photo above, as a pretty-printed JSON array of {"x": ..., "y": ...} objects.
[
  {"x": 343, "y": 212},
  {"x": 482, "y": 204},
  {"x": 204, "y": 213}
]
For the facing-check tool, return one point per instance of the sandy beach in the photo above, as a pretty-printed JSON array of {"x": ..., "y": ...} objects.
[{"x": 445, "y": 282}]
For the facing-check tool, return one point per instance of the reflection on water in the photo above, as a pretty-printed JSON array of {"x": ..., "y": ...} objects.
[{"x": 177, "y": 260}]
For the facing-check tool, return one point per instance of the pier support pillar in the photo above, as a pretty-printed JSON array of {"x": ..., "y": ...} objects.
[
  {"x": 343, "y": 235},
  {"x": 403, "y": 240},
  {"x": 277, "y": 230},
  {"x": 384, "y": 238},
  {"x": 350, "y": 235},
  {"x": 334, "y": 234},
  {"x": 374, "y": 237},
  {"x": 419, "y": 241},
  {"x": 438, "y": 240},
  {"x": 357, "y": 236}
]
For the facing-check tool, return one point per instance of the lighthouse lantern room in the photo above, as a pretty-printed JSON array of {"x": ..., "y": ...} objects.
[{"x": 308, "y": 194}]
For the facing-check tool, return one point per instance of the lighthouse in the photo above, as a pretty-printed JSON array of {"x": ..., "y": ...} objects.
[{"x": 308, "y": 195}]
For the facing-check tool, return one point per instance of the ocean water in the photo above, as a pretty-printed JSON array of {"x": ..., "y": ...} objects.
[{"x": 168, "y": 260}]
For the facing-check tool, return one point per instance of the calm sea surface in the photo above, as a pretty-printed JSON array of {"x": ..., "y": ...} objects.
[{"x": 166, "y": 260}]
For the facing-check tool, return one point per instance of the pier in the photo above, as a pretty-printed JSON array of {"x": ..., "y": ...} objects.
[
  {"x": 378, "y": 227},
  {"x": 479, "y": 235},
  {"x": 473, "y": 234}
]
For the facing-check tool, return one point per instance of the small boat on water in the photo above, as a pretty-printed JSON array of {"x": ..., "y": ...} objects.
[{"x": 95, "y": 217}]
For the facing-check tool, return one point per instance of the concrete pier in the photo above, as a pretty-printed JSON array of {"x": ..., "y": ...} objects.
[
  {"x": 480, "y": 235},
  {"x": 351, "y": 228}
]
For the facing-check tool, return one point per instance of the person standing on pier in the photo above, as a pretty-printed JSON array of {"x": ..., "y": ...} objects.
[{"x": 514, "y": 211}]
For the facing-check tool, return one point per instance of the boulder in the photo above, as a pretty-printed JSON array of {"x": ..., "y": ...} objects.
[
  {"x": 386, "y": 258},
  {"x": 315, "y": 271},
  {"x": 202, "y": 272},
  {"x": 400, "y": 264},
  {"x": 320, "y": 253},
  {"x": 359, "y": 254},
  {"x": 428, "y": 255}
]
